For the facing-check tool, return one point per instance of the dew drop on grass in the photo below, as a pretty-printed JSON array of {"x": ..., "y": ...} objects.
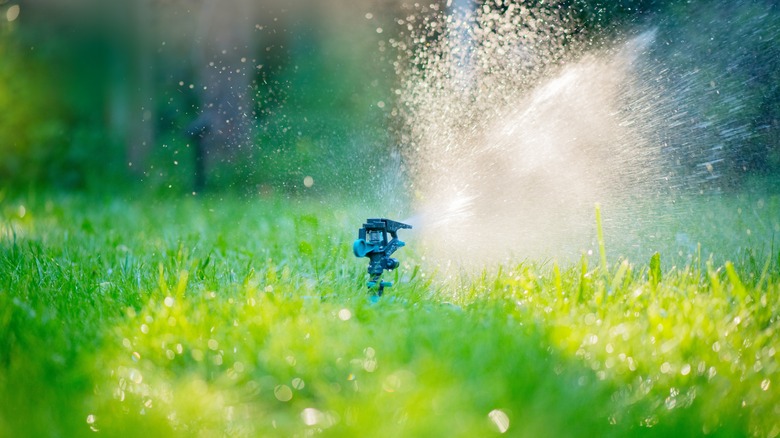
[
  {"x": 345, "y": 314},
  {"x": 283, "y": 393},
  {"x": 311, "y": 416},
  {"x": 500, "y": 419},
  {"x": 135, "y": 376},
  {"x": 298, "y": 383},
  {"x": 765, "y": 384},
  {"x": 392, "y": 383},
  {"x": 91, "y": 419},
  {"x": 370, "y": 365}
]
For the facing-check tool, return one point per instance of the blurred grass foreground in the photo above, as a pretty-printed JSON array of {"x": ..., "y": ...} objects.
[{"x": 132, "y": 319}]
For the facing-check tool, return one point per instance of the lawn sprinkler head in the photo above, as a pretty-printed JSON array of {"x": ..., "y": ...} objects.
[{"x": 372, "y": 243}]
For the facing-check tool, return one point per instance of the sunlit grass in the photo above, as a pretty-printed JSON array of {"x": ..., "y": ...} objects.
[{"x": 249, "y": 318}]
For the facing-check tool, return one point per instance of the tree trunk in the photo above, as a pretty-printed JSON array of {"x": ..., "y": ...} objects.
[{"x": 224, "y": 59}]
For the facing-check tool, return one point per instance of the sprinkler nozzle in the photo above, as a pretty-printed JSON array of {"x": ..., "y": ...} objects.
[{"x": 372, "y": 242}]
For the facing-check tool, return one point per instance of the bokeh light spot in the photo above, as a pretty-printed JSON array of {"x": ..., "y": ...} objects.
[
  {"x": 345, "y": 314},
  {"x": 283, "y": 393},
  {"x": 500, "y": 419},
  {"x": 12, "y": 13}
]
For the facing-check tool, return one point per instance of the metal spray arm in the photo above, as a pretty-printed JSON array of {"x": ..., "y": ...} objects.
[{"x": 372, "y": 243}]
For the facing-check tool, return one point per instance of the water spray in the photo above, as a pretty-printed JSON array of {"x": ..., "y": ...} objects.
[{"x": 372, "y": 243}]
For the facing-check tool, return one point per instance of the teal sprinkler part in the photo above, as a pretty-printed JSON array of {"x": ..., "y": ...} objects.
[{"x": 372, "y": 243}]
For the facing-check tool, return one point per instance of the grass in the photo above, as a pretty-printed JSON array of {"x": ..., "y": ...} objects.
[{"x": 209, "y": 317}]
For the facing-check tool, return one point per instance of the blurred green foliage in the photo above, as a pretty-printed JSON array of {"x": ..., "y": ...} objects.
[
  {"x": 65, "y": 81},
  {"x": 51, "y": 132},
  {"x": 323, "y": 111}
]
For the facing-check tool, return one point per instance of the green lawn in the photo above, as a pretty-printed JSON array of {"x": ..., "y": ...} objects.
[{"x": 213, "y": 317}]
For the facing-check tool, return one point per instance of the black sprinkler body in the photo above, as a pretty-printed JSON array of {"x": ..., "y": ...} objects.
[{"x": 372, "y": 243}]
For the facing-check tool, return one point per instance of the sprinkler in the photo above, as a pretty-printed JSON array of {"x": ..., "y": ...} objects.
[{"x": 372, "y": 243}]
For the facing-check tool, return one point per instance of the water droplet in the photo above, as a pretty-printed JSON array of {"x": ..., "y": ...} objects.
[
  {"x": 311, "y": 416},
  {"x": 135, "y": 376},
  {"x": 500, "y": 419},
  {"x": 370, "y": 365},
  {"x": 91, "y": 419},
  {"x": 12, "y": 13},
  {"x": 283, "y": 393},
  {"x": 345, "y": 314}
]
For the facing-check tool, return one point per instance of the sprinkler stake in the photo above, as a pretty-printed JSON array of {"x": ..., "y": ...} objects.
[{"x": 372, "y": 243}]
